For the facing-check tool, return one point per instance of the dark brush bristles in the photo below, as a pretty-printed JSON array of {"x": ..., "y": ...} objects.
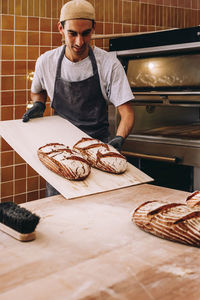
[{"x": 18, "y": 218}]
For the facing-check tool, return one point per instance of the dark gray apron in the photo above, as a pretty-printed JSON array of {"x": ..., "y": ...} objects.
[{"x": 82, "y": 103}]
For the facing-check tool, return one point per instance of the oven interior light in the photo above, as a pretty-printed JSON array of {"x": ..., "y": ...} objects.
[{"x": 151, "y": 66}]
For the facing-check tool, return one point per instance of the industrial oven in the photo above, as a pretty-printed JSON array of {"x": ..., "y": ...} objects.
[{"x": 163, "y": 69}]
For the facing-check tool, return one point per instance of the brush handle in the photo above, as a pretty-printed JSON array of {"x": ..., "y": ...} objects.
[{"x": 23, "y": 237}]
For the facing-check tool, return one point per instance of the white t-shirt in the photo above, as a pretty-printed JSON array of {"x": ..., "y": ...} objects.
[{"x": 114, "y": 83}]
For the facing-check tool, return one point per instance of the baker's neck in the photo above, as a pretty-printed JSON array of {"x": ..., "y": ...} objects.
[{"x": 74, "y": 57}]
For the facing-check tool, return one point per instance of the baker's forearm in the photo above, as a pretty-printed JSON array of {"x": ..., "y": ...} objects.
[
  {"x": 127, "y": 120},
  {"x": 41, "y": 97}
]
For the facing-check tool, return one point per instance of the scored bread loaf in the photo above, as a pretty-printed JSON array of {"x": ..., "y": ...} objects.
[
  {"x": 172, "y": 221},
  {"x": 64, "y": 161},
  {"x": 101, "y": 156},
  {"x": 194, "y": 200}
]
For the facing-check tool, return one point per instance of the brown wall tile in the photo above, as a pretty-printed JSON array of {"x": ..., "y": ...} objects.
[
  {"x": 31, "y": 7},
  {"x": 36, "y": 7},
  {"x": 4, "y": 145},
  {"x": 20, "y": 186},
  {"x": 20, "y": 38},
  {"x": 18, "y": 7},
  {"x": 6, "y": 113},
  {"x": 5, "y": 7},
  {"x": 6, "y": 189},
  {"x": 54, "y": 25},
  {"x": 7, "y": 52},
  {"x": 19, "y": 111},
  {"x": 99, "y": 5},
  {"x": 6, "y": 174},
  {"x": 7, "y": 68},
  {"x": 24, "y": 7},
  {"x": 31, "y": 66},
  {"x": 45, "y": 24},
  {"x": 127, "y": 12},
  {"x": 7, "y": 98},
  {"x": 33, "y": 38},
  {"x": 6, "y": 158},
  {"x": 33, "y": 196},
  {"x": 7, "y": 83},
  {"x": 20, "y": 171},
  {"x": 33, "y": 23},
  {"x": 45, "y": 39},
  {"x": 20, "y": 82},
  {"x": 20, "y": 67},
  {"x": 7, "y": 22},
  {"x": 20, "y": 198},
  {"x": 7, "y": 37},
  {"x": 109, "y": 11},
  {"x": 31, "y": 171},
  {"x": 20, "y": 23},
  {"x": 20, "y": 97},
  {"x": 20, "y": 52},
  {"x": 33, "y": 52},
  {"x": 32, "y": 183},
  {"x": 7, "y": 199},
  {"x": 42, "y": 182},
  {"x": 48, "y": 8},
  {"x": 11, "y": 7},
  {"x": 42, "y": 8},
  {"x": 17, "y": 159}
]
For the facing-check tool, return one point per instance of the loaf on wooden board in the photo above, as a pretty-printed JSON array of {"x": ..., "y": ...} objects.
[
  {"x": 194, "y": 200},
  {"x": 101, "y": 156},
  {"x": 172, "y": 221},
  {"x": 64, "y": 161}
]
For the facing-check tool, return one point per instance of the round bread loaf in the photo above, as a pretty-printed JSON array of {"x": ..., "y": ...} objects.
[
  {"x": 64, "y": 161},
  {"x": 102, "y": 156}
]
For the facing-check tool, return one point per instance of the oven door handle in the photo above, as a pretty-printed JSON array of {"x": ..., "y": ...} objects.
[{"x": 152, "y": 157}]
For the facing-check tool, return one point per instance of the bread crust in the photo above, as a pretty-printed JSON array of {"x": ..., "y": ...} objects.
[
  {"x": 101, "y": 156},
  {"x": 172, "y": 221},
  {"x": 64, "y": 161},
  {"x": 194, "y": 200}
]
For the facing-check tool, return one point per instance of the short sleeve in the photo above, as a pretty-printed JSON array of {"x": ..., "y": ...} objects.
[
  {"x": 119, "y": 89},
  {"x": 38, "y": 82}
]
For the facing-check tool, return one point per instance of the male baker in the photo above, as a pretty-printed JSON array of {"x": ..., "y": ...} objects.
[{"x": 80, "y": 80}]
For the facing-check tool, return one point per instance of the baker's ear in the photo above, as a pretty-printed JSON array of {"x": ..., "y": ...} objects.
[{"x": 60, "y": 28}]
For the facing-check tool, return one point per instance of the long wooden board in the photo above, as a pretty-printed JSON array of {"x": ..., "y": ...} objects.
[{"x": 26, "y": 138}]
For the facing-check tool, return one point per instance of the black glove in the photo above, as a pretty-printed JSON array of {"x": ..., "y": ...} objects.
[
  {"x": 35, "y": 111},
  {"x": 117, "y": 142}
]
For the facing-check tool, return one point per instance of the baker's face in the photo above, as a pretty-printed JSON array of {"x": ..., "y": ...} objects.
[{"x": 77, "y": 35}]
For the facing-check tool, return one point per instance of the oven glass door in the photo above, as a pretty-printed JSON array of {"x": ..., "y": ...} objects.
[{"x": 165, "y": 73}]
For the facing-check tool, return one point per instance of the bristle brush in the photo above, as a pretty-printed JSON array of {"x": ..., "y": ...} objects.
[{"x": 17, "y": 221}]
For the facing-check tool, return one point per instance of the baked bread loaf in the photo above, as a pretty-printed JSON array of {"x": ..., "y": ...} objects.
[
  {"x": 64, "y": 161},
  {"x": 194, "y": 200},
  {"x": 101, "y": 156},
  {"x": 172, "y": 221}
]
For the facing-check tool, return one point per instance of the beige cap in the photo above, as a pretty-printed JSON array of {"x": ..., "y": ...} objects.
[{"x": 77, "y": 9}]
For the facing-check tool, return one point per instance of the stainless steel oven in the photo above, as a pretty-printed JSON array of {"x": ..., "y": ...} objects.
[{"x": 163, "y": 69}]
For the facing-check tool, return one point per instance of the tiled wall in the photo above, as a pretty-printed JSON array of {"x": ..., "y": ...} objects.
[{"x": 29, "y": 28}]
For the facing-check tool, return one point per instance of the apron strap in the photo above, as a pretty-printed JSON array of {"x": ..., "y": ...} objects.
[
  {"x": 93, "y": 61},
  {"x": 58, "y": 71}
]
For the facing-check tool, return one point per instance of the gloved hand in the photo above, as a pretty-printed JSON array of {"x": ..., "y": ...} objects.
[
  {"x": 117, "y": 142},
  {"x": 35, "y": 111}
]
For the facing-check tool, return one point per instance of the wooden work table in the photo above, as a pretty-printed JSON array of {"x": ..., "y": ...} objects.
[{"x": 88, "y": 248}]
